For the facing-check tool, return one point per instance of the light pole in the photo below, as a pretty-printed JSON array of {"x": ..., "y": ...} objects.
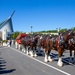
[
  {"x": 58, "y": 30},
  {"x": 31, "y": 32},
  {"x": 31, "y": 29}
]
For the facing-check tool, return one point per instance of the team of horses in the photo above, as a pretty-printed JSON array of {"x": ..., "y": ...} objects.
[{"x": 64, "y": 41}]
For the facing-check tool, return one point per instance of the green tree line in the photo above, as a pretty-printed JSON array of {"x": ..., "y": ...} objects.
[{"x": 15, "y": 34}]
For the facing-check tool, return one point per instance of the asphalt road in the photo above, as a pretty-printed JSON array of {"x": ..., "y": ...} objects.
[{"x": 15, "y": 62}]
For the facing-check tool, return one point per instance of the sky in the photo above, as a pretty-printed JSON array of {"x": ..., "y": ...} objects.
[{"x": 40, "y": 14}]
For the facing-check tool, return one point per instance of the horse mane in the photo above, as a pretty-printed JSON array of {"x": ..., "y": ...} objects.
[
  {"x": 67, "y": 35},
  {"x": 66, "y": 32}
]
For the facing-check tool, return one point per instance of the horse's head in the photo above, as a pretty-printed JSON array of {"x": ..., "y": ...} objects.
[
  {"x": 72, "y": 40},
  {"x": 37, "y": 40},
  {"x": 67, "y": 35}
]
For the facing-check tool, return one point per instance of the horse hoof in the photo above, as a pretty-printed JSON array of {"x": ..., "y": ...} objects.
[
  {"x": 35, "y": 55},
  {"x": 60, "y": 64},
  {"x": 45, "y": 60},
  {"x": 50, "y": 60}
]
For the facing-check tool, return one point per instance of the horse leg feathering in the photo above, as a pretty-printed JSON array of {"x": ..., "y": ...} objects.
[
  {"x": 60, "y": 52},
  {"x": 46, "y": 57},
  {"x": 49, "y": 57}
]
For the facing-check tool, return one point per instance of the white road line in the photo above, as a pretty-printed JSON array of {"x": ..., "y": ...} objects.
[{"x": 43, "y": 62}]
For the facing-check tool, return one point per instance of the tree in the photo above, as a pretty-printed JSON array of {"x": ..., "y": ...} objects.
[
  {"x": 63, "y": 30},
  {"x": 14, "y": 35}
]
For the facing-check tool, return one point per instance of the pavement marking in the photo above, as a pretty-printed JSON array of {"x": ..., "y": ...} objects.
[{"x": 42, "y": 62}]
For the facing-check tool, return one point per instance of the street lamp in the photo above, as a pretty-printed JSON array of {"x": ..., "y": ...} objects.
[
  {"x": 31, "y": 29},
  {"x": 58, "y": 30}
]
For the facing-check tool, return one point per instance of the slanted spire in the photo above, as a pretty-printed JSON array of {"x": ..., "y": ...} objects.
[{"x": 12, "y": 14}]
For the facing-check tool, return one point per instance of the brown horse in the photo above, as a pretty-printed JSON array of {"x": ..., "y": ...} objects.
[
  {"x": 72, "y": 47},
  {"x": 58, "y": 44},
  {"x": 25, "y": 44},
  {"x": 30, "y": 44}
]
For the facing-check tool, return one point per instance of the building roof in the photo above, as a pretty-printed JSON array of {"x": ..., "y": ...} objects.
[{"x": 5, "y": 21}]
